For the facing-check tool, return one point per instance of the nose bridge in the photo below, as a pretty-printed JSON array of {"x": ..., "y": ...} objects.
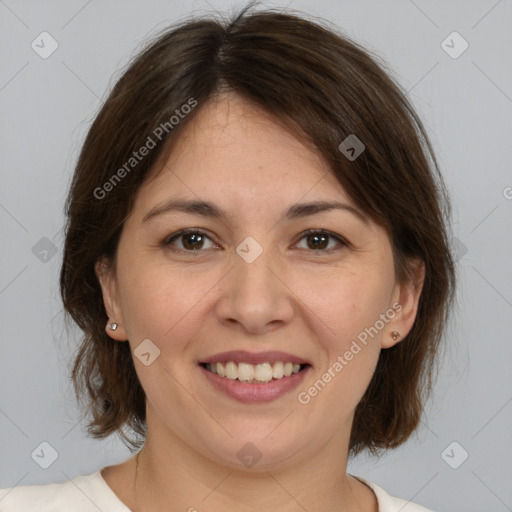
[
  {"x": 255, "y": 295},
  {"x": 253, "y": 276},
  {"x": 252, "y": 265}
]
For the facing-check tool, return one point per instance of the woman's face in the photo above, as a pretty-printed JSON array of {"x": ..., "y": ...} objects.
[{"x": 253, "y": 282}]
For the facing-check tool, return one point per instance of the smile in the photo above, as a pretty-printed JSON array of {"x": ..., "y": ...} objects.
[
  {"x": 254, "y": 373},
  {"x": 254, "y": 377}
]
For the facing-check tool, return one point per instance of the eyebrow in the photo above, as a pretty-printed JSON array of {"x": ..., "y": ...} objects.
[{"x": 208, "y": 209}]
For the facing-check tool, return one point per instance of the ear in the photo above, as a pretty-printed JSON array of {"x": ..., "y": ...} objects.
[
  {"x": 105, "y": 272},
  {"x": 405, "y": 302}
]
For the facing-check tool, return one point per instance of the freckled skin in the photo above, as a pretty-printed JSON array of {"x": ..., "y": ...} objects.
[{"x": 292, "y": 298}]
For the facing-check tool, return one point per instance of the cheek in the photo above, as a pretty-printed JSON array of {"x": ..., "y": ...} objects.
[
  {"x": 159, "y": 302},
  {"x": 161, "y": 305},
  {"x": 347, "y": 304},
  {"x": 349, "y": 314}
]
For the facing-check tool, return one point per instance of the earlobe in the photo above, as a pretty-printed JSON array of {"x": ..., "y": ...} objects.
[
  {"x": 408, "y": 296},
  {"x": 108, "y": 285}
]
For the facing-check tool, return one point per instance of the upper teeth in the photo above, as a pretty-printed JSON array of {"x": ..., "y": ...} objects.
[{"x": 246, "y": 372}]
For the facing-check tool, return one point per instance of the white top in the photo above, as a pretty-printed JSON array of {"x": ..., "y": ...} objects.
[{"x": 91, "y": 493}]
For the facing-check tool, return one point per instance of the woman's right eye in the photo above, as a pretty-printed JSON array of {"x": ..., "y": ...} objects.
[{"x": 190, "y": 240}]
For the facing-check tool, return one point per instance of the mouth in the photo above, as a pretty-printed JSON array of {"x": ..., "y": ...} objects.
[
  {"x": 261, "y": 373},
  {"x": 254, "y": 377}
]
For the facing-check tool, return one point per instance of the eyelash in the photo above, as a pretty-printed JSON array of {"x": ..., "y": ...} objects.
[{"x": 167, "y": 242}]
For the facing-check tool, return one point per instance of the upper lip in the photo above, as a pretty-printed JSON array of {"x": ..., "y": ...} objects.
[{"x": 242, "y": 356}]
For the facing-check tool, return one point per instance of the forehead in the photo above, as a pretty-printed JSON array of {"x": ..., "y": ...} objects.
[{"x": 235, "y": 153}]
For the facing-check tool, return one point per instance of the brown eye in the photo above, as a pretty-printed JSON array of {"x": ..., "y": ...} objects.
[
  {"x": 319, "y": 241},
  {"x": 191, "y": 241}
]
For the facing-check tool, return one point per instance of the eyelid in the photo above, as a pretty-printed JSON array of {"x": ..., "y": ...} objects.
[
  {"x": 341, "y": 241},
  {"x": 167, "y": 241}
]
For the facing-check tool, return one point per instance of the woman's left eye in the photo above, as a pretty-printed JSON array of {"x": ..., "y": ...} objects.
[
  {"x": 320, "y": 240},
  {"x": 194, "y": 240}
]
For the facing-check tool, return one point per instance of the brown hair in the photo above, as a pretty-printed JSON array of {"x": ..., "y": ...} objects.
[{"x": 324, "y": 87}]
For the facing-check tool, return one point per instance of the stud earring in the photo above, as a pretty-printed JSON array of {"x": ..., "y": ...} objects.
[
  {"x": 113, "y": 326},
  {"x": 395, "y": 335}
]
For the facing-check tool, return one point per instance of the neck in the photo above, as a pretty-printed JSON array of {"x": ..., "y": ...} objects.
[{"x": 189, "y": 481}]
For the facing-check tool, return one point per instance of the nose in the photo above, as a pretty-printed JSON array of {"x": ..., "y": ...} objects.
[{"x": 256, "y": 297}]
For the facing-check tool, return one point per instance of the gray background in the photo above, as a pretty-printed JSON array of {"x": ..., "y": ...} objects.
[{"x": 466, "y": 103}]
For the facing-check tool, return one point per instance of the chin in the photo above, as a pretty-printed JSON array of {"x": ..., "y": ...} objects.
[{"x": 251, "y": 451}]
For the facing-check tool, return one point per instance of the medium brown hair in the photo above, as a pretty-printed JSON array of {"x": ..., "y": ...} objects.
[{"x": 323, "y": 87}]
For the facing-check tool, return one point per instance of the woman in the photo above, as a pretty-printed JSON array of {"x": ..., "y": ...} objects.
[{"x": 256, "y": 251}]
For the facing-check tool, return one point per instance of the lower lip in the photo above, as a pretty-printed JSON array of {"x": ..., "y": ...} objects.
[{"x": 258, "y": 392}]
